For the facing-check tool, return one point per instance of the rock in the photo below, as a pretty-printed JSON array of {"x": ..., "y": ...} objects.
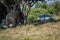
[{"x": 3, "y": 23}]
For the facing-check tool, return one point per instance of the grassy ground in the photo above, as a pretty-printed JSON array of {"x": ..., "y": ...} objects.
[{"x": 47, "y": 31}]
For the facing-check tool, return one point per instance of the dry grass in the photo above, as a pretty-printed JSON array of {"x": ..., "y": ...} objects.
[
  {"x": 56, "y": 17},
  {"x": 48, "y": 31}
]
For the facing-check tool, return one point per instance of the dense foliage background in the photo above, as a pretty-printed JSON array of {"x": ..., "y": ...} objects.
[{"x": 31, "y": 13}]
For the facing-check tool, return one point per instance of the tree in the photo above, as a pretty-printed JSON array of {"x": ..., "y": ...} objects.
[
  {"x": 56, "y": 6},
  {"x": 23, "y": 3}
]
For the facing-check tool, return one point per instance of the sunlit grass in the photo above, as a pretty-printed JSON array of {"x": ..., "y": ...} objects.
[{"x": 48, "y": 31}]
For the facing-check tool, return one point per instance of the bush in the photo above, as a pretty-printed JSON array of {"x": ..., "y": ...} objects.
[
  {"x": 41, "y": 5},
  {"x": 45, "y": 6},
  {"x": 34, "y": 13},
  {"x": 50, "y": 10}
]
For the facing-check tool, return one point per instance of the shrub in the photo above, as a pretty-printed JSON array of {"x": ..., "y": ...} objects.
[
  {"x": 35, "y": 13},
  {"x": 45, "y": 6}
]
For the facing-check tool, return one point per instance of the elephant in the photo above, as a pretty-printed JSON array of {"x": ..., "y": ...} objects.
[{"x": 14, "y": 17}]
